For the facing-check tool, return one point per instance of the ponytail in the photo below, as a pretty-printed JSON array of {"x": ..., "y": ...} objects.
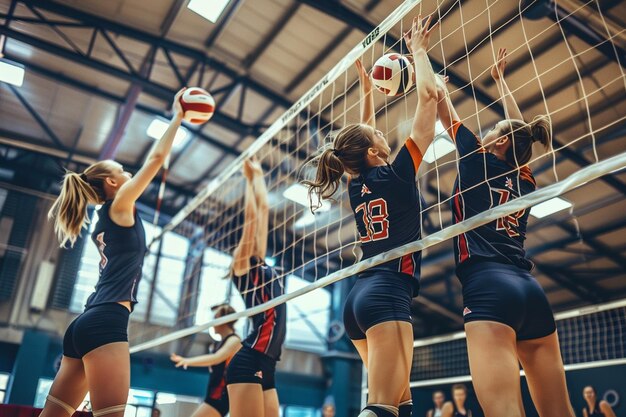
[
  {"x": 541, "y": 130},
  {"x": 523, "y": 135},
  {"x": 348, "y": 154},
  {"x": 69, "y": 210}
]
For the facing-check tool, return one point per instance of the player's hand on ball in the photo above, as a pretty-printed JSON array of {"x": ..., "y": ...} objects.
[
  {"x": 177, "y": 108},
  {"x": 497, "y": 70}
]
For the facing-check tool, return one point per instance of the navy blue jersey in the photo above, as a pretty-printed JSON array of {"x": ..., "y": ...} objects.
[
  {"x": 596, "y": 410},
  {"x": 387, "y": 208},
  {"x": 217, "y": 382},
  {"x": 122, "y": 250},
  {"x": 258, "y": 286},
  {"x": 484, "y": 182}
]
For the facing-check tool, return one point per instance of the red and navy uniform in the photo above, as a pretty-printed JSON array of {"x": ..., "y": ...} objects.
[
  {"x": 484, "y": 182},
  {"x": 258, "y": 286},
  {"x": 122, "y": 250},
  {"x": 256, "y": 360},
  {"x": 217, "y": 394},
  {"x": 491, "y": 260},
  {"x": 387, "y": 209}
]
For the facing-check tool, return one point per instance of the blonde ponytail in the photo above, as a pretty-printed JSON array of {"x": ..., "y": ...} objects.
[{"x": 69, "y": 210}]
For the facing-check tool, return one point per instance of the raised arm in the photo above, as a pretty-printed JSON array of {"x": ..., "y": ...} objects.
[
  {"x": 423, "y": 128},
  {"x": 132, "y": 190},
  {"x": 245, "y": 248},
  {"x": 368, "y": 114},
  {"x": 262, "y": 206},
  {"x": 231, "y": 346},
  {"x": 511, "y": 109},
  {"x": 445, "y": 109}
]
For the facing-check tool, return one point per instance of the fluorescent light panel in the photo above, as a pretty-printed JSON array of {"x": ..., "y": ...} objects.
[
  {"x": 441, "y": 145},
  {"x": 306, "y": 219},
  {"x": 439, "y": 148},
  {"x": 158, "y": 127},
  {"x": 300, "y": 194},
  {"x": 549, "y": 207},
  {"x": 11, "y": 73},
  {"x": 211, "y": 10}
]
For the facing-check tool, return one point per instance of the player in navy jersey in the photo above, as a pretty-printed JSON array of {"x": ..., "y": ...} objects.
[
  {"x": 95, "y": 345},
  {"x": 595, "y": 407},
  {"x": 216, "y": 400},
  {"x": 456, "y": 407},
  {"x": 508, "y": 319},
  {"x": 387, "y": 209},
  {"x": 250, "y": 375}
]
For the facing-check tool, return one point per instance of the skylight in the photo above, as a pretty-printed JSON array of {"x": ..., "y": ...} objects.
[
  {"x": 158, "y": 127},
  {"x": 549, "y": 207},
  {"x": 211, "y": 10}
]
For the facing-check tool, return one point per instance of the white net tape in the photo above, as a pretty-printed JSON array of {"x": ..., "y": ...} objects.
[{"x": 321, "y": 248}]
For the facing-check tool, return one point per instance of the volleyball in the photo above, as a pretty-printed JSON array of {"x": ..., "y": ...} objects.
[
  {"x": 198, "y": 105},
  {"x": 393, "y": 74}
]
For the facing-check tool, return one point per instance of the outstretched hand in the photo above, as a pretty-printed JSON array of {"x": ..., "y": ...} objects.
[
  {"x": 419, "y": 36},
  {"x": 252, "y": 168},
  {"x": 179, "y": 360},
  {"x": 497, "y": 70},
  {"x": 364, "y": 78}
]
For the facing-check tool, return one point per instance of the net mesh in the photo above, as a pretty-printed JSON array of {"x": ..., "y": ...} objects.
[
  {"x": 322, "y": 248},
  {"x": 590, "y": 337}
]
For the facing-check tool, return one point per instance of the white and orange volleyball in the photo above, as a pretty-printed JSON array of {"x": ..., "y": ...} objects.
[
  {"x": 198, "y": 105},
  {"x": 393, "y": 74}
]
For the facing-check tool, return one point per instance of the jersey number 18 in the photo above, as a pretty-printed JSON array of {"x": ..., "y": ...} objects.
[{"x": 375, "y": 220}]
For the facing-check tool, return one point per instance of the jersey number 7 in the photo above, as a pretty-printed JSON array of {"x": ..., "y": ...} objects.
[{"x": 375, "y": 220}]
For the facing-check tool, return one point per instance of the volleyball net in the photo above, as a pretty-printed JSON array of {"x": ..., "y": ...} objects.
[
  {"x": 589, "y": 337},
  {"x": 322, "y": 248}
]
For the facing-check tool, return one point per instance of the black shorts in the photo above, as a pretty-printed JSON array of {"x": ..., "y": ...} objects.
[
  {"x": 221, "y": 404},
  {"x": 97, "y": 326},
  {"x": 249, "y": 366},
  {"x": 506, "y": 294},
  {"x": 377, "y": 297}
]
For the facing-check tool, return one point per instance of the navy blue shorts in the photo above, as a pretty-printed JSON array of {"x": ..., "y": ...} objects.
[
  {"x": 249, "y": 366},
  {"x": 221, "y": 404},
  {"x": 377, "y": 297},
  {"x": 97, "y": 326},
  {"x": 506, "y": 294}
]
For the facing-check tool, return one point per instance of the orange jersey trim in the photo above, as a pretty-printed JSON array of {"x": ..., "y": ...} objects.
[{"x": 415, "y": 153}]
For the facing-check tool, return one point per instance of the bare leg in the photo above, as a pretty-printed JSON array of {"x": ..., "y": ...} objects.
[
  {"x": 246, "y": 400},
  {"x": 206, "y": 410},
  {"x": 69, "y": 388},
  {"x": 270, "y": 402},
  {"x": 108, "y": 375},
  {"x": 542, "y": 362},
  {"x": 389, "y": 360},
  {"x": 491, "y": 348}
]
